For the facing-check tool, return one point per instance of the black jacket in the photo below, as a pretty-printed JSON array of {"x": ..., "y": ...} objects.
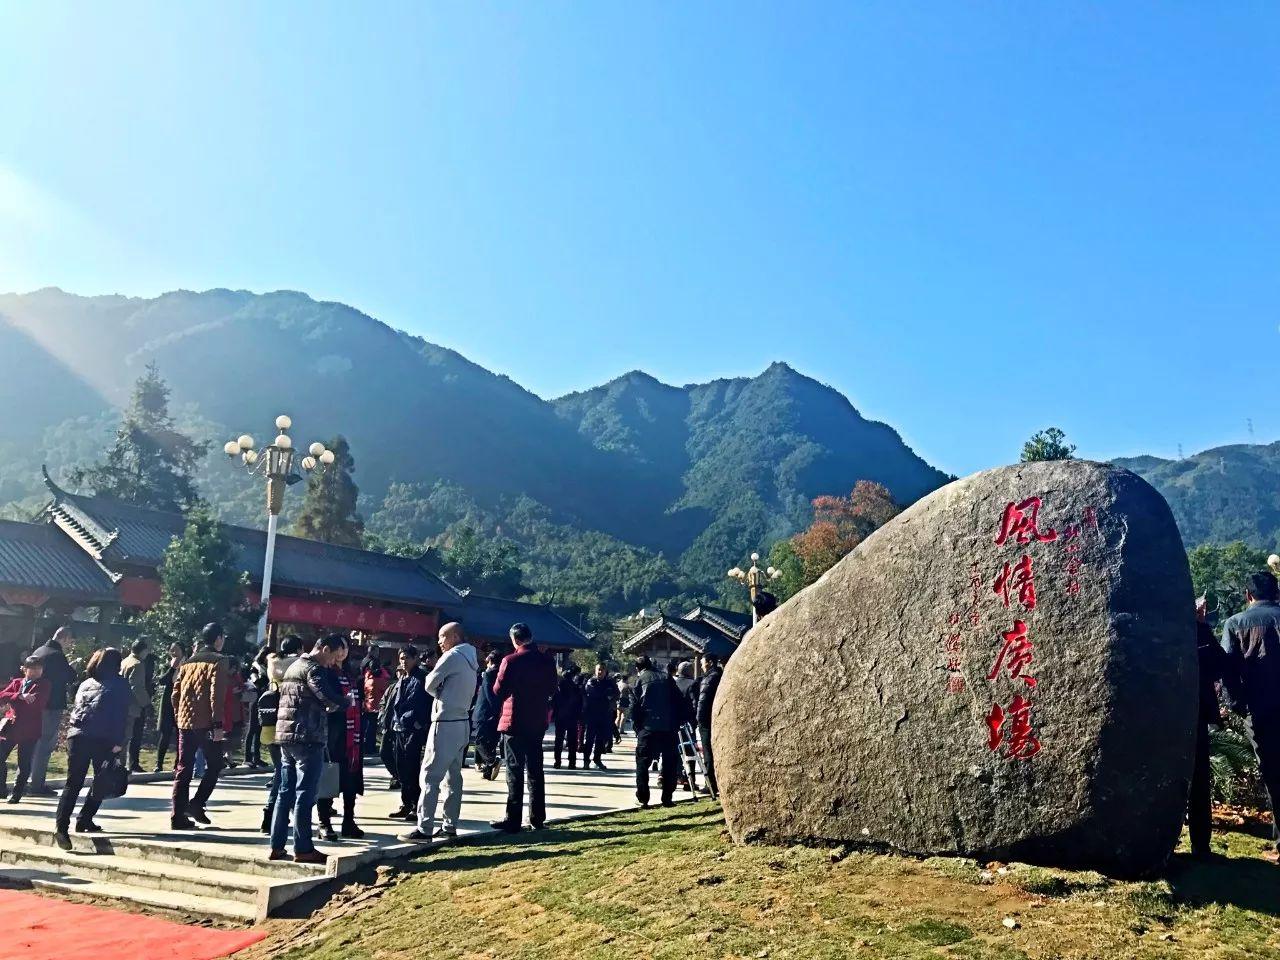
[
  {"x": 57, "y": 671},
  {"x": 658, "y": 705},
  {"x": 308, "y": 694},
  {"x": 1251, "y": 668},
  {"x": 410, "y": 710},
  {"x": 707, "y": 695},
  {"x": 488, "y": 707},
  {"x": 566, "y": 705},
  {"x": 600, "y": 698},
  {"x": 1211, "y": 658}
]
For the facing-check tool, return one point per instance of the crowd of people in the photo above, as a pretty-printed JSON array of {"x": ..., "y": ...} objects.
[{"x": 319, "y": 716}]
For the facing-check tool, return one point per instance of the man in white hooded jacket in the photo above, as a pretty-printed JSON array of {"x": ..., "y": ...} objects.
[{"x": 452, "y": 684}]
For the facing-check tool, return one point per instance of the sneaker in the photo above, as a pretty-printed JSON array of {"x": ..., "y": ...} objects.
[
  {"x": 181, "y": 823},
  {"x": 312, "y": 856},
  {"x": 278, "y": 855},
  {"x": 198, "y": 815},
  {"x": 62, "y": 840},
  {"x": 403, "y": 814},
  {"x": 14, "y": 797},
  {"x": 506, "y": 826},
  {"x": 445, "y": 832},
  {"x": 414, "y": 836}
]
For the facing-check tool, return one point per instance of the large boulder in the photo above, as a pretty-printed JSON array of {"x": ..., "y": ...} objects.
[{"x": 1006, "y": 669}]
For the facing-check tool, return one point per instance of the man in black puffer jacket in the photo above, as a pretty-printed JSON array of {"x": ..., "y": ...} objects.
[
  {"x": 711, "y": 674},
  {"x": 657, "y": 711},
  {"x": 308, "y": 694}
]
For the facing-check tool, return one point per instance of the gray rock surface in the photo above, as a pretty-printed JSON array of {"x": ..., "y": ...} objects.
[{"x": 884, "y": 705}]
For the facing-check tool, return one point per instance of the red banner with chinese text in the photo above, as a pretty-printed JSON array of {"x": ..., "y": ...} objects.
[{"x": 351, "y": 616}]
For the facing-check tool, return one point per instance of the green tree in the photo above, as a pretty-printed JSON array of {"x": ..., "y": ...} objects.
[
  {"x": 1222, "y": 571},
  {"x": 150, "y": 463},
  {"x": 1048, "y": 444},
  {"x": 783, "y": 557},
  {"x": 200, "y": 581},
  {"x": 329, "y": 510},
  {"x": 486, "y": 565}
]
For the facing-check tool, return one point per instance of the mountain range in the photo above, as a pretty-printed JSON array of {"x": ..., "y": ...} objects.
[{"x": 684, "y": 480}]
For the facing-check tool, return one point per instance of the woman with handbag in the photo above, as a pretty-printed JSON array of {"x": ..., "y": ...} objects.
[
  {"x": 96, "y": 734},
  {"x": 344, "y": 749}
]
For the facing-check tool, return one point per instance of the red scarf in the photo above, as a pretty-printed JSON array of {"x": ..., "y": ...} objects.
[{"x": 353, "y": 724}]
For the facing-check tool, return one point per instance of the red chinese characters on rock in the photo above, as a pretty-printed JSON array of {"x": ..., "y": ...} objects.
[
  {"x": 1011, "y": 728},
  {"x": 1015, "y": 655},
  {"x": 1021, "y": 521},
  {"x": 1017, "y": 577},
  {"x": 1072, "y": 541}
]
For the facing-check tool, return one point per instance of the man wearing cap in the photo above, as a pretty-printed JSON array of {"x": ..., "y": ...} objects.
[
  {"x": 199, "y": 706},
  {"x": 452, "y": 687},
  {"x": 525, "y": 684}
]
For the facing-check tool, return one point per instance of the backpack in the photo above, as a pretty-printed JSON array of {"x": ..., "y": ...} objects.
[{"x": 268, "y": 707}]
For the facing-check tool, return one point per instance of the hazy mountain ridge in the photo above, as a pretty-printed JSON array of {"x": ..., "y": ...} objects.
[{"x": 702, "y": 472}]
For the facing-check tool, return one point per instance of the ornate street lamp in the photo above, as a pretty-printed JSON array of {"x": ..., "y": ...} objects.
[
  {"x": 275, "y": 462},
  {"x": 754, "y": 578}
]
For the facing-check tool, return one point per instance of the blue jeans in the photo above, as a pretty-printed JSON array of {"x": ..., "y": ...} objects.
[{"x": 300, "y": 767}]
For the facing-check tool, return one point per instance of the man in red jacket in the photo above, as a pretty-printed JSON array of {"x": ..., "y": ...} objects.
[
  {"x": 526, "y": 681},
  {"x": 25, "y": 697}
]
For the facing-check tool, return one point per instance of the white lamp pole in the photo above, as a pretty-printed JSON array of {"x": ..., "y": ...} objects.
[
  {"x": 754, "y": 578},
  {"x": 276, "y": 464}
]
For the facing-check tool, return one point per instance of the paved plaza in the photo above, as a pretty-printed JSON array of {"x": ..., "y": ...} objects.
[{"x": 222, "y": 869}]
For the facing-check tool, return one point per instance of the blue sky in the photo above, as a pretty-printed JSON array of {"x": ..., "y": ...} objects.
[{"x": 975, "y": 219}]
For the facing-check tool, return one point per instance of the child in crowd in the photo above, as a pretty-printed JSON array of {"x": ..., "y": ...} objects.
[{"x": 25, "y": 697}]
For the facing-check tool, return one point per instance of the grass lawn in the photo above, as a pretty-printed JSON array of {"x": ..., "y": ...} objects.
[{"x": 670, "y": 884}]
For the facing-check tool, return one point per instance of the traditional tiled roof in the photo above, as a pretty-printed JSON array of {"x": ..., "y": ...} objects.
[
  {"x": 732, "y": 624},
  {"x": 121, "y": 535},
  {"x": 492, "y": 617},
  {"x": 697, "y": 635},
  {"x": 36, "y": 557}
]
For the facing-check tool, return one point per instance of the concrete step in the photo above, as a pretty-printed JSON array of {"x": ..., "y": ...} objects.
[
  {"x": 108, "y": 868},
  {"x": 146, "y": 896},
  {"x": 158, "y": 852}
]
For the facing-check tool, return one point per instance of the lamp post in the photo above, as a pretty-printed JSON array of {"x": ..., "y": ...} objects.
[
  {"x": 754, "y": 578},
  {"x": 275, "y": 462}
]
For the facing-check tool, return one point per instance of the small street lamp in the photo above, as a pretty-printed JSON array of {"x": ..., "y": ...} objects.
[
  {"x": 275, "y": 462},
  {"x": 754, "y": 578}
]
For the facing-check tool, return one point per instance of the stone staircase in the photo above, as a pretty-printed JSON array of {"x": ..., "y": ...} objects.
[{"x": 160, "y": 875}]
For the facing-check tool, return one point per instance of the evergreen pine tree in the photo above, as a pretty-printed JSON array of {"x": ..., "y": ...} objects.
[
  {"x": 200, "y": 582},
  {"x": 329, "y": 510},
  {"x": 1049, "y": 444},
  {"x": 151, "y": 463}
]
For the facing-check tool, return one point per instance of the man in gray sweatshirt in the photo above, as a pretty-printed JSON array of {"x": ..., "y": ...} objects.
[{"x": 452, "y": 684}]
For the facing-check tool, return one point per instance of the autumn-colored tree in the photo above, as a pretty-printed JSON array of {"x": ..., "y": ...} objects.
[{"x": 840, "y": 524}]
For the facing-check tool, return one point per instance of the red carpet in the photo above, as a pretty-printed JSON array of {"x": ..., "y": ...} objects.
[{"x": 40, "y": 928}]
